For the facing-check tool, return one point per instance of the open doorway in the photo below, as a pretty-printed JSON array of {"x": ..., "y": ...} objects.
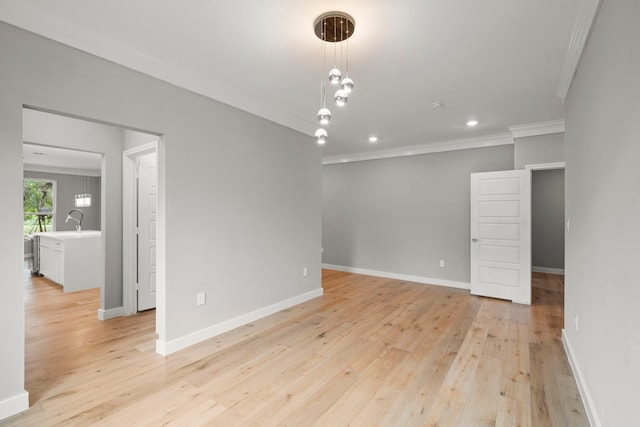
[
  {"x": 58, "y": 131},
  {"x": 503, "y": 234},
  {"x": 547, "y": 221},
  {"x": 548, "y": 233}
]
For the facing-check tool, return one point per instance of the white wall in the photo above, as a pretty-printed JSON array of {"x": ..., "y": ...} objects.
[
  {"x": 134, "y": 139},
  {"x": 403, "y": 215},
  {"x": 603, "y": 205},
  {"x": 241, "y": 202},
  {"x": 533, "y": 150}
]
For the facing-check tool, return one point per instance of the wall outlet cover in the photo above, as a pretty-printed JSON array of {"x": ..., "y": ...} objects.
[{"x": 201, "y": 299}]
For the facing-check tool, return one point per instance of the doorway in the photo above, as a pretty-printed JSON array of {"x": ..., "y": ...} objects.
[
  {"x": 504, "y": 234},
  {"x": 140, "y": 215},
  {"x": 547, "y": 221},
  {"x": 57, "y": 130}
]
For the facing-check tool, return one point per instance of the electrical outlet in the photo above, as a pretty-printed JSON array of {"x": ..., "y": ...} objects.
[
  {"x": 442, "y": 263},
  {"x": 575, "y": 321},
  {"x": 201, "y": 298},
  {"x": 305, "y": 271}
]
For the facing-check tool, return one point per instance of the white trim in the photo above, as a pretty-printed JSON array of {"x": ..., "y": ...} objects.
[
  {"x": 545, "y": 166},
  {"x": 585, "y": 18},
  {"x": 589, "y": 406},
  {"x": 536, "y": 129},
  {"x": 437, "y": 147},
  {"x": 129, "y": 295},
  {"x": 14, "y": 405},
  {"x": 400, "y": 276},
  {"x": 167, "y": 347},
  {"x": 548, "y": 270},
  {"x": 110, "y": 313}
]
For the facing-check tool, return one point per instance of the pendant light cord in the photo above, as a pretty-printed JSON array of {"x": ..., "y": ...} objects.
[
  {"x": 341, "y": 39},
  {"x": 347, "y": 67}
]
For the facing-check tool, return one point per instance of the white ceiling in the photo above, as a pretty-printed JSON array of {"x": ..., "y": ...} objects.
[
  {"x": 498, "y": 61},
  {"x": 42, "y": 158}
]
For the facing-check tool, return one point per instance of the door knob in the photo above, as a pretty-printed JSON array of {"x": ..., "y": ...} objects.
[{"x": 474, "y": 240}]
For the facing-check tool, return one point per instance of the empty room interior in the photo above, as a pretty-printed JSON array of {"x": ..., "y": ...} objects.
[{"x": 319, "y": 213}]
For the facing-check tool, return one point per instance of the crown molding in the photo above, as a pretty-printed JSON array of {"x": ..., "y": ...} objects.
[
  {"x": 535, "y": 129},
  {"x": 40, "y": 22},
  {"x": 585, "y": 18},
  {"x": 414, "y": 150}
]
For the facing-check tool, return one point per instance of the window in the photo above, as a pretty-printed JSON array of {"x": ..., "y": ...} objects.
[{"x": 38, "y": 205}]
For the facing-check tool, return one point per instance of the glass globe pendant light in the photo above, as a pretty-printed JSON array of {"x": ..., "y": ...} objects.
[
  {"x": 334, "y": 76},
  {"x": 347, "y": 84},
  {"x": 341, "y": 97},
  {"x": 324, "y": 116},
  {"x": 321, "y": 136}
]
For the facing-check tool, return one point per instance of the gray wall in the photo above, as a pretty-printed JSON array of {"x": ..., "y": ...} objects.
[
  {"x": 66, "y": 189},
  {"x": 243, "y": 241},
  {"x": 539, "y": 149},
  {"x": 603, "y": 204},
  {"x": 403, "y": 215},
  {"x": 547, "y": 219}
]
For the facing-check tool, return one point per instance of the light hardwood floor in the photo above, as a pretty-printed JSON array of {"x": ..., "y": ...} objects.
[{"x": 371, "y": 352}]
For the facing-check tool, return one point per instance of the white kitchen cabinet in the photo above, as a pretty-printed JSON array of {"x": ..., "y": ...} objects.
[
  {"x": 71, "y": 259},
  {"x": 50, "y": 253}
]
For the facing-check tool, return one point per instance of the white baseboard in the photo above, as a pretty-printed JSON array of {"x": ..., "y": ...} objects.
[
  {"x": 167, "y": 347},
  {"x": 111, "y": 313},
  {"x": 14, "y": 405},
  {"x": 398, "y": 276},
  {"x": 548, "y": 270},
  {"x": 582, "y": 385}
]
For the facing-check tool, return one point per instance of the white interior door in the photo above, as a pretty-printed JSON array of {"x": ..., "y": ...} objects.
[
  {"x": 147, "y": 172},
  {"x": 501, "y": 235}
]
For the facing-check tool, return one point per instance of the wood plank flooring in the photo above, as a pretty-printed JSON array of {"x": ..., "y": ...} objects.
[{"x": 371, "y": 352}]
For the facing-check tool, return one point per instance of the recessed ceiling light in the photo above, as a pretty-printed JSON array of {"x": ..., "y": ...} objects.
[
  {"x": 373, "y": 139},
  {"x": 472, "y": 123},
  {"x": 38, "y": 153}
]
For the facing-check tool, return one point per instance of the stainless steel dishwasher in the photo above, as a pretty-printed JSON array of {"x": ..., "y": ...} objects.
[{"x": 34, "y": 260}]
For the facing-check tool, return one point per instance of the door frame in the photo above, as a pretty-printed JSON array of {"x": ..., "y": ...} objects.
[
  {"x": 129, "y": 203},
  {"x": 545, "y": 166}
]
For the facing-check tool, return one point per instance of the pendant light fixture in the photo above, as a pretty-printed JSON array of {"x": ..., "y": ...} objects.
[
  {"x": 333, "y": 27},
  {"x": 83, "y": 198}
]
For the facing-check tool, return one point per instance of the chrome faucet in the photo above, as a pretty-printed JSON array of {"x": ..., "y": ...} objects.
[{"x": 78, "y": 221}]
